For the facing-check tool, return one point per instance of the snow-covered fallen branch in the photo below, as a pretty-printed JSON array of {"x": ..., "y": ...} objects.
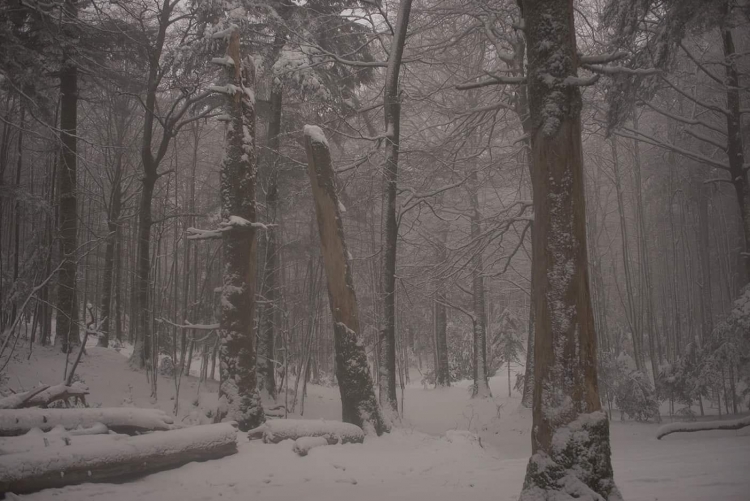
[
  {"x": 108, "y": 460},
  {"x": 43, "y": 396},
  {"x": 128, "y": 420},
  {"x": 233, "y": 223},
  {"x": 734, "y": 424},
  {"x": 335, "y": 432}
]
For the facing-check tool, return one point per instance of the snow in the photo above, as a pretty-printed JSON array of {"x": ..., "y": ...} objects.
[
  {"x": 91, "y": 451},
  {"x": 281, "y": 429},
  {"x": 447, "y": 446},
  {"x": 315, "y": 134},
  {"x": 303, "y": 445},
  {"x": 19, "y": 421}
]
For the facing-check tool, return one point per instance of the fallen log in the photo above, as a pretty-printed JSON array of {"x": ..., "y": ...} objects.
[
  {"x": 670, "y": 428},
  {"x": 44, "y": 396},
  {"x": 278, "y": 430},
  {"x": 56, "y": 437},
  {"x": 128, "y": 420},
  {"x": 115, "y": 460}
]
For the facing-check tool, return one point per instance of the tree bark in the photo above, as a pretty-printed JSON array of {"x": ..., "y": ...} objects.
[
  {"x": 66, "y": 332},
  {"x": 392, "y": 109},
  {"x": 113, "y": 222},
  {"x": 735, "y": 150},
  {"x": 238, "y": 393},
  {"x": 358, "y": 403},
  {"x": 481, "y": 386},
  {"x": 570, "y": 434},
  {"x": 267, "y": 339}
]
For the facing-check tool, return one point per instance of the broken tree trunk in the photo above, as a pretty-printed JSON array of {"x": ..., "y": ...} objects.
[
  {"x": 278, "y": 430},
  {"x": 115, "y": 459},
  {"x": 735, "y": 424},
  {"x": 358, "y": 403},
  {"x": 127, "y": 420}
]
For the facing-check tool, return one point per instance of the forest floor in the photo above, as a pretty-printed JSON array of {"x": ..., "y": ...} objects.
[{"x": 422, "y": 459}]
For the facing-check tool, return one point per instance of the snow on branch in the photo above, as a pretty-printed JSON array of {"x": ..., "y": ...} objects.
[
  {"x": 688, "y": 121},
  {"x": 493, "y": 80},
  {"x": 228, "y": 89},
  {"x": 232, "y": 224},
  {"x": 621, "y": 70},
  {"x": 670, "y": 428},
  {"x": 188, "y": 325},
  {"x": 640, "y": 136},
  {"x": 43, "y": 396},
  {"x": 315, "y": 134},
  {"x": 581, "y": 81},
  {"x": 602, "y": 58},
  {"x": 225, "y": 33},
  {"x": 223, "y": 61}
]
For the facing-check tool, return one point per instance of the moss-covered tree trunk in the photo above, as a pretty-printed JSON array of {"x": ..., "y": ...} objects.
[
  {"x": 238, "y": 394},
  {"x": 358, "y": 403},
  {"x": 570, "y": 434}
]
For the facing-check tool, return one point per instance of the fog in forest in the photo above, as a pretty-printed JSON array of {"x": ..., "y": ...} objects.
[{"x": 375, "y": 249}]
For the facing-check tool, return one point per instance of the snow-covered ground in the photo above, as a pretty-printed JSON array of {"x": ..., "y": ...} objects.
[{"x": 426, "y": 457}]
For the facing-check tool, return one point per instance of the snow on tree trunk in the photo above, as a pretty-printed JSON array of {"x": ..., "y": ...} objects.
[
  {"x": 358, "y": 403},
  {"x": 238, "y": 394},
  {"x": 570, "y": 434}
]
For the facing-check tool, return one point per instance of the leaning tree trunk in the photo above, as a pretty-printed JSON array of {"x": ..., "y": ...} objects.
[
  {"x": 66, "y": 333},
  {"x": 570, "y": 434},
  {"x": 392, "y": 108},
  {"x": 358, "y": 403},
  {"x": 238, "y": 393}
]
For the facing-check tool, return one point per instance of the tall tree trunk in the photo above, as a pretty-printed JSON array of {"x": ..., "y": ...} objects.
[
  {"x": 358, "y": 403},
  {"x": 648, "y": 288},
  {"x": 632, "y": 313},
  {"x": 442, "y": 370},
  {"x": 570, "y": 433},
  {"x": 142, "y": 351},
  {"x": 734, "y": 137},
  {"x": 479, "y": 320},
  {"x": 266, "y": 369},
  {"x": 66, "y": 331},
  {"x": 238, "y": 393},
  {"x": 113, "y": 222},
  {"x": 392, "y": 109},
  {"x": 17, "y": 212}
]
